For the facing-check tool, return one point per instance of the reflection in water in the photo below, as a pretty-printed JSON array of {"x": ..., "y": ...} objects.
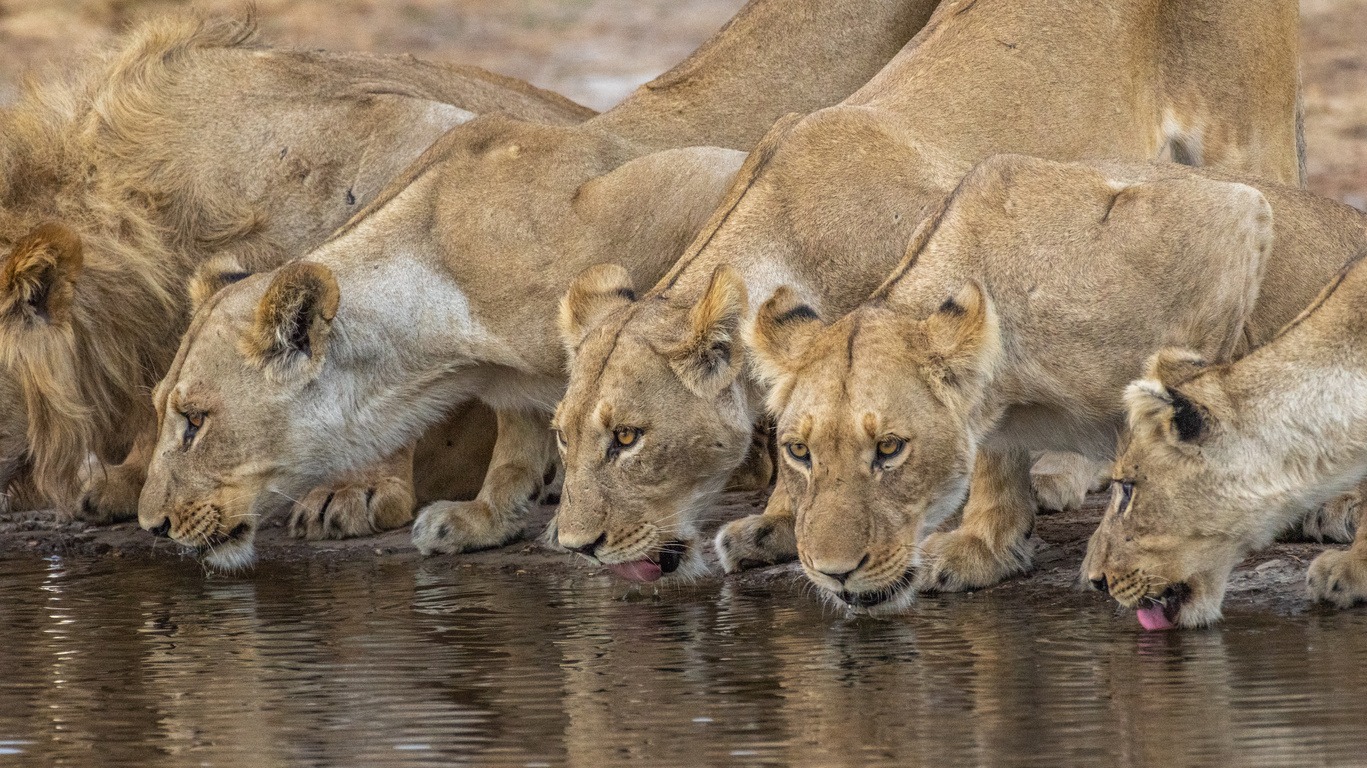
[{"x": 381, "y": 664}]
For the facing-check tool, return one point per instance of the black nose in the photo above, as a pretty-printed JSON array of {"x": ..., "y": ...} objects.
[
  {"x": 1100, "y": 585},
  {"x": 588, "y": 549},
  {"x": 163, "y": 528}
]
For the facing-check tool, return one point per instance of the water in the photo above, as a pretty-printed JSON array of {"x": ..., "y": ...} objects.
[{"x": 390, "y": 664}]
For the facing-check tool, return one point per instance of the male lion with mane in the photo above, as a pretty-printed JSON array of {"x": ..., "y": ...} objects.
[
  {"x": 662, "y": 391},
  {"x": 1222, "y": 458},
  {"x": 1021, "y": 310},
  {"x": 191, "y": 145}
]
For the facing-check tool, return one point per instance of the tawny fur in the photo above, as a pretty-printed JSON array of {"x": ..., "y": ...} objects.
[
  {"x": 1087, "y": 271},
  {"x": 151, "y": 157},
  {"x": 449, "y": 281},
  {"x": 827, "y": 203},
  {"x": 1222, "y": 458}
]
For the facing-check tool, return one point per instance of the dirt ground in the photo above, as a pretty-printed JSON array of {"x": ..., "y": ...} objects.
[
  {"x": 596, "y": 52},
  {"x": 1271, "y": 581}
]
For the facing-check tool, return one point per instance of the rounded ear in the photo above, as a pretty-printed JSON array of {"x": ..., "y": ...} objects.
[
  {"x": 964, "y": 340},
  {"x": 709, "y": 357},
  {"x": 784, "y": 328},
  {"x": 39, "y": 277},
  {"x": 595, "y": 294},
  {"x": 213, "y": 276},
  {"x": 294, "y": 318},
  {"x": 1166, "y": 413}
]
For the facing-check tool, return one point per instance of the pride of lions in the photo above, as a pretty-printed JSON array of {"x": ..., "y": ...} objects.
[{"x": 886, "y": 256}]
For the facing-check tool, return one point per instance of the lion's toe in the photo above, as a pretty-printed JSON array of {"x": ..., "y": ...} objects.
[
  {"x": 957, "y": 561},
  {"x": 754, "y": 542},
  {"x": 1334, "y": 522},
  {"x": 1338, "y": 577},
  {"x": 451, "y": 527}
]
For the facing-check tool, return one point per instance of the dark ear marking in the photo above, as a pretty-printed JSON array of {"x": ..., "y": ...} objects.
[
  {"x": 951, "y": 307},
  {"x": 800, "y": 312},
  {"x": 626, "y": 293},
  {"x": 1187, "y": 418}
]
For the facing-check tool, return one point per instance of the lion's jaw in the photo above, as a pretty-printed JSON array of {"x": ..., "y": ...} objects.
[
  {"x": 1186, "y": 507},
  {"x": 264, "y": 402},
  {"x": 643, "y": 501}
]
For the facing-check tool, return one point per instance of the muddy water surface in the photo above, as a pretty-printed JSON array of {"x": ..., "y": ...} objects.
[{"x": 119, "y": 663}]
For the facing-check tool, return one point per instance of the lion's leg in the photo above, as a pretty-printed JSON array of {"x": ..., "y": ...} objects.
[
  {"x": 377, "y": 498},
  {"x": 757, "y": 471},
  {"x": 1337, "y": 520},
  {"x": 111, "y": 494},
  {"x": 522, "y": 453},
  {"x": 759, "y": 540},
  {"x": 1063, "y": 480},
  {"x": 994, "y": 540},
  {"x": 1340, "y": 576}
]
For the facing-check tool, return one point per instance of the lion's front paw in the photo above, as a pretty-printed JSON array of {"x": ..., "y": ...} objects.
[
  {"x": 449, "y": 527},
  {"x": 1335, "y": 522},
  {"x": 111, "y": 496},
  {"x": 1338, "y": 577},
  {"x": 756, "y": 541},
  {"x": 348, "y": 511},
  {"x": 956, "y": 561}
]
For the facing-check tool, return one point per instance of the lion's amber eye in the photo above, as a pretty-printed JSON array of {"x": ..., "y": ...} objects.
[
  {"x": 193, "y": 421},
  {"x": 890, "y": 446},
  {"x": 799, "y": 452},
  {"x": 626, "y": 436}
]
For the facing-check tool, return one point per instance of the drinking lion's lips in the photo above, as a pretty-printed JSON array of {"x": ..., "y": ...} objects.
[
  {"x": 1160, "y": 613},
  {"x": 646, "y": 570}
]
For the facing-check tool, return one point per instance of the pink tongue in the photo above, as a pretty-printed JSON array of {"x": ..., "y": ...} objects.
[
  {"x": 1154, "y": 619},
  {"x": 637, "y": 570}
]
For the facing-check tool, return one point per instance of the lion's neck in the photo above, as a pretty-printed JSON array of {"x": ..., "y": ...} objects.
[{"x": 1301, "y": 402}]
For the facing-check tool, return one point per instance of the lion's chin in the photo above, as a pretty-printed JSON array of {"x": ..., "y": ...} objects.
[
  {"x": 674, "y": 559},
  {"x": 1182, "y": 605},
  {"x": 234, "y": 551},
  {"x": 895, "y": 598}
]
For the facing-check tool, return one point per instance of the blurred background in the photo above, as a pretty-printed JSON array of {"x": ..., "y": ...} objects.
[{"x": 597, "y": 51}]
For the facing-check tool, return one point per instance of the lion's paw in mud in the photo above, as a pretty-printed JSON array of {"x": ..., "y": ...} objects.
[
  {"x": 351, "y": 510},
  {"x": 1335, "y": 522},
  {"x": 958, "y": 561},
  {"x": 110, "y": 494},
  {"x": 451, "y": 527},
  {"x": 756, "y": 541},
  {"x": 1339, "y": 577}
]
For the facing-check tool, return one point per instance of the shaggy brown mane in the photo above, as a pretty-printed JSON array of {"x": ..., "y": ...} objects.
[{"x": 68, "y": 157}]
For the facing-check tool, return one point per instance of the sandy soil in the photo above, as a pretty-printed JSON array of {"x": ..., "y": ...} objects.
[{"x": 596, "y": 52}]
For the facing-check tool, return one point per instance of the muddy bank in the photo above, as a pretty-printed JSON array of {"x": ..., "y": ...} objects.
[{"x": 1272, "y": 581}]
